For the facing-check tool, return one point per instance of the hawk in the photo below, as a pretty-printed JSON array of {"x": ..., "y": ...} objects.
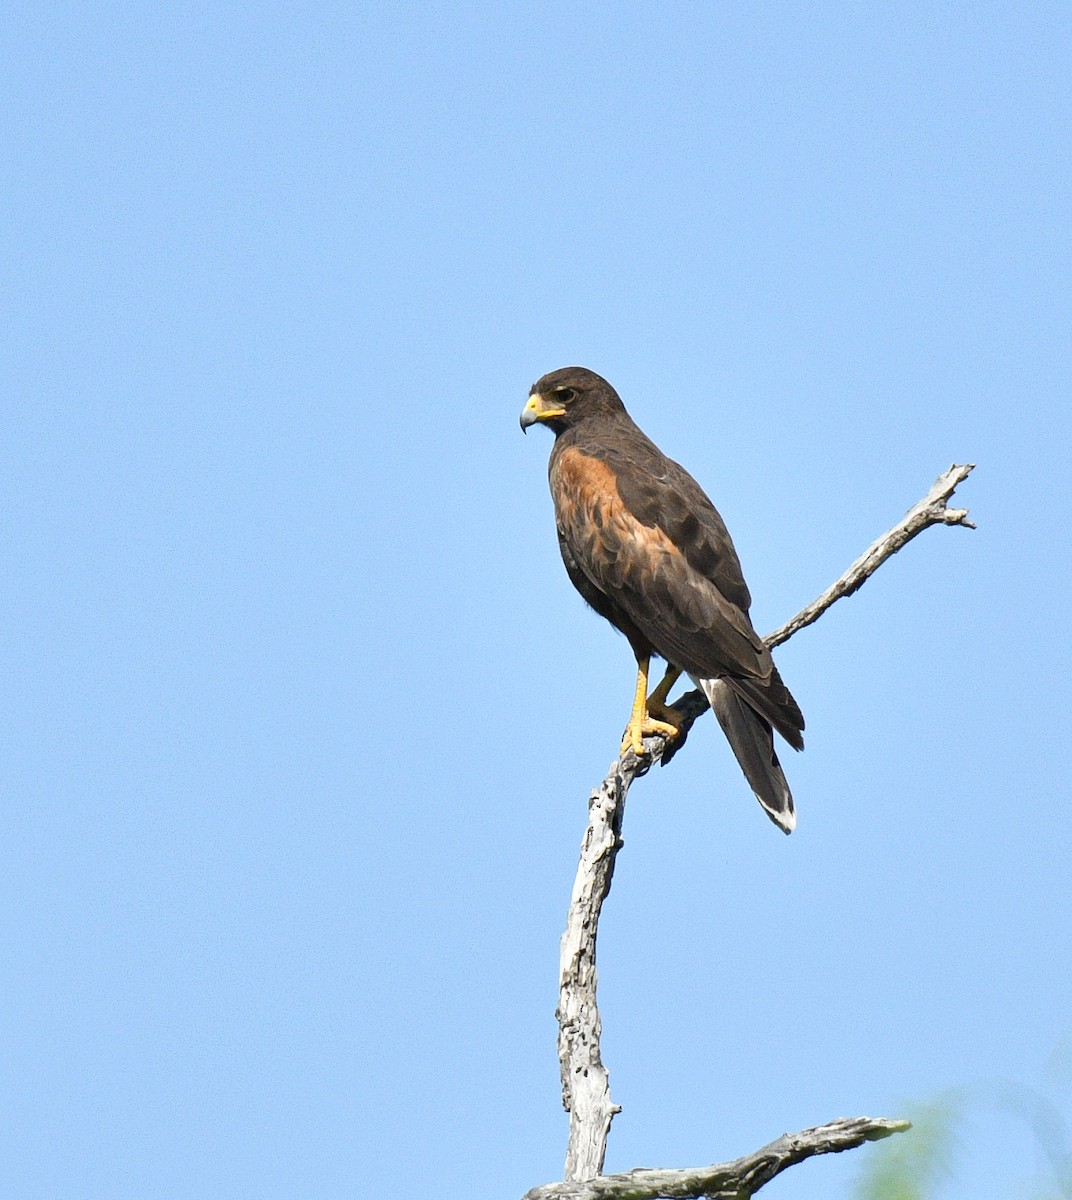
[{"x": 648, "y": 551}]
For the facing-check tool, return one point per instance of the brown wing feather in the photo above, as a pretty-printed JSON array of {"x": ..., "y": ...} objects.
[
  {"x": 685, "y": 615},
  {"x": 659, "y": 492}
]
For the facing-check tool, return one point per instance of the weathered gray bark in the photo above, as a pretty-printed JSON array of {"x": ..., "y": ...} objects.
[
  {"x": 735, "y": 1180},
  {"x": 931, "y": 510},
  {"x": 585, "y": 1080}
]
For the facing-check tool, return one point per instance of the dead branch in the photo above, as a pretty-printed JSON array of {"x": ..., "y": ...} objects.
[
  {"x": 931, "y": 510},
  {"x": 737, "y": 1180}
]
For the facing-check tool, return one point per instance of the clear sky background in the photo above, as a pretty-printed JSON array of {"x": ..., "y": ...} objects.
[{"x": 301, "y": 711}]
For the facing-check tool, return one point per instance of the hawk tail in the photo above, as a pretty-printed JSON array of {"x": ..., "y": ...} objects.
[
  {"x": 774, "y": 703},
  {"x": 752, "y": 740}
]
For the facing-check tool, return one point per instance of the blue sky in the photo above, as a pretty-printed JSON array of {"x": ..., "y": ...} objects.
[{"x": 302, "y": 712}]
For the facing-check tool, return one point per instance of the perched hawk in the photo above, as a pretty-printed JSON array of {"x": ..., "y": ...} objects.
[{"x": 647, "y": 549}]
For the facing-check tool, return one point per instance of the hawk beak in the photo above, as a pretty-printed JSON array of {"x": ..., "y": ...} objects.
[{"x": 538, "y": 409}]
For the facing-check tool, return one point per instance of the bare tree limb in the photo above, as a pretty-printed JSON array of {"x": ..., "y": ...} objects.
[
  {"x": 585, "y": 1080},
  {"x": 737, "y": 1180},
  {"x": 931, "y": 510}
]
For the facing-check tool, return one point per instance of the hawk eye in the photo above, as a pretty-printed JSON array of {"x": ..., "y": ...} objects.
[{"x": 565, "y": 395}]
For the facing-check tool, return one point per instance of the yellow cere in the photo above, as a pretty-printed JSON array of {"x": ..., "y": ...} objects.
[{"x": 540, "y": 408}]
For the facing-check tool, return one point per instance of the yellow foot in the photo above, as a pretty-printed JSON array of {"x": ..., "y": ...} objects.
[
  {"x": 663, "y": 713},
  {"x": 638, "y": 730},
  {"x": 641, "y": 721}
]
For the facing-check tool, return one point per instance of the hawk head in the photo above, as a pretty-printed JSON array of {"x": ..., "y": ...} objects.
[{"x": 569, "y": 395}]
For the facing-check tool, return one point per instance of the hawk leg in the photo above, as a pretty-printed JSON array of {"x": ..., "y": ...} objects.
[
  {"x": 641, "y": 722},
  {"x": 657, "y": 706}
]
